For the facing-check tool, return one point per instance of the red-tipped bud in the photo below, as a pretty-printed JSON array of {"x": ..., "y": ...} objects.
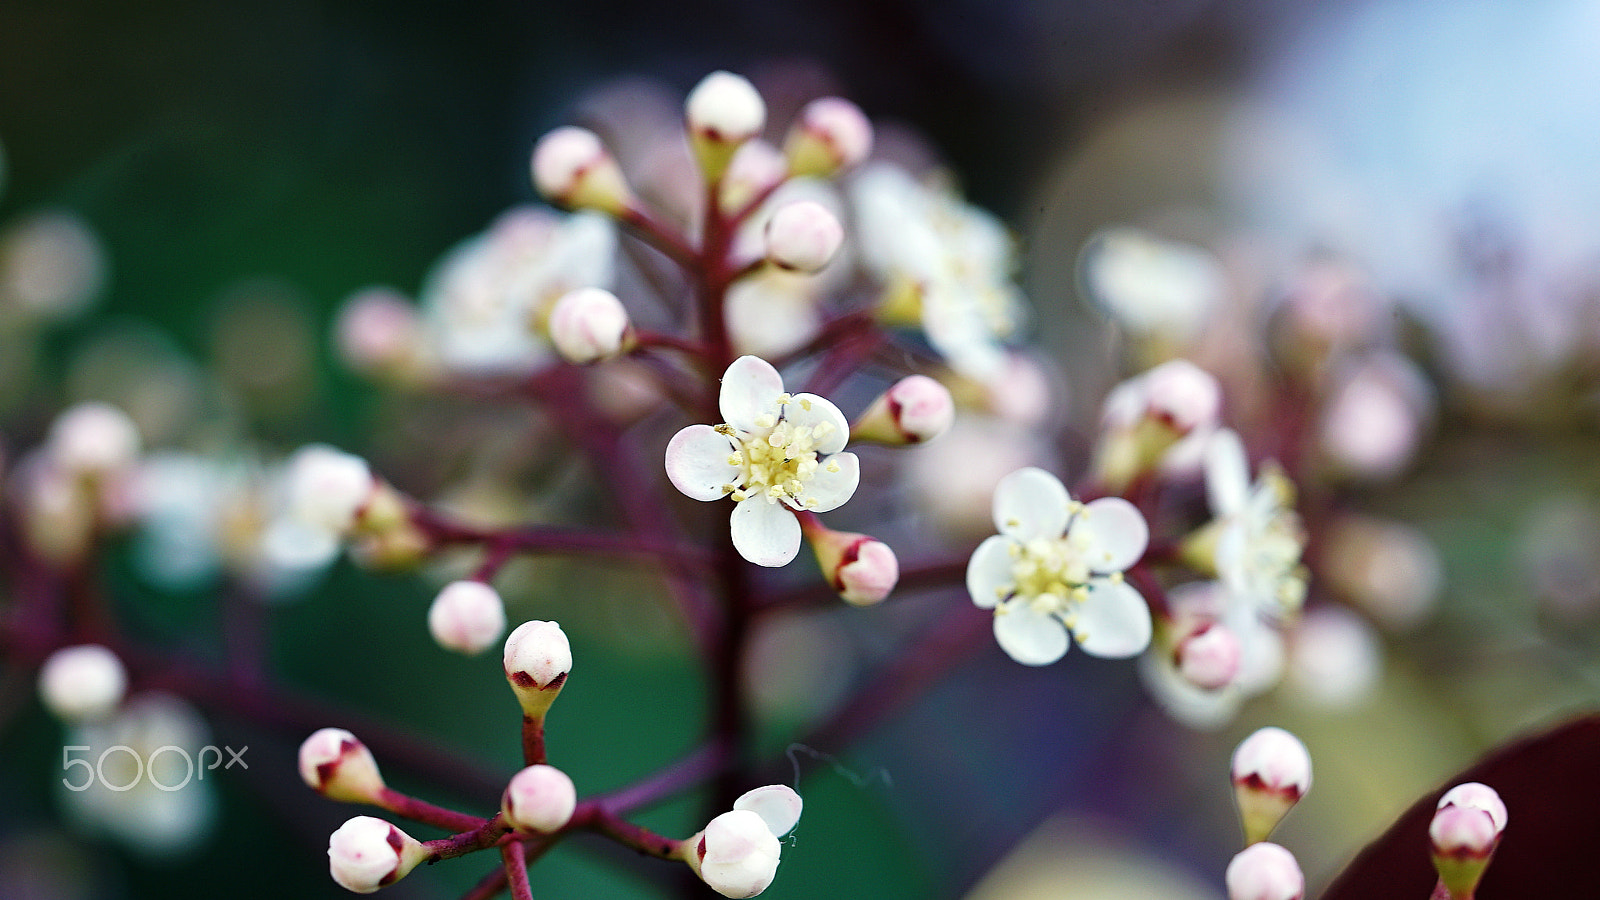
[
  {"x": 1208, "y": 657},
  {"x": 1465, "y": 831},
  {"x": 573, "y": 169},
  {"x": 367, "y": 853},
  {"x": 537, "y": 661},
  {"x": 831, "y": 135},
  {"x": 861, "y": 568},
  {"x": 722, "y": 112},
  {"x": 915, "y": 410},
  {"x": 1271, "y": 772},
  {"x": 338, "y": 766}
]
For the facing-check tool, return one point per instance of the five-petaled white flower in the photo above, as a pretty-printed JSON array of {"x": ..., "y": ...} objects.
[
  {"x": 774, "y": 451},
  {"x": 1258, "y": 550},
  {"x": 1056, "y": 567}
]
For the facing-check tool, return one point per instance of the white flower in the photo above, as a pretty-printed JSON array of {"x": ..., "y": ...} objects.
[
  {"x": 1056, "y": 567},
  {"x": 1258, "y": 550},
  {"x": 772, "y": 447}
]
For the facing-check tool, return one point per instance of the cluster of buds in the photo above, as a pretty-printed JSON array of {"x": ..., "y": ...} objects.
[
  {"x": 1465, "y": 831},
  {"x": 1271, "y": 772}
]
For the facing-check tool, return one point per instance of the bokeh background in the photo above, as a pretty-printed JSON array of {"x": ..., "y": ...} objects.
[{"x": 246, "y": 166}]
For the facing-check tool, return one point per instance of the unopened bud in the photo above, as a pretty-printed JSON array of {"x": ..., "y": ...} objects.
[
  {"x": 328, "y": 487},
  {"x": 1265, "y": 872},
  {"x": 916, "y": 409},
  {"x": 467, "y": 617},
  {"x": 573, "y": 169},
  {"x": 722, "y": 112},
  {"x": 588, "y": 325},
  {"x": 737, "y": 854},
  {"x": 368, "y": 853},
  {"x": 803, "y": 236},
  {"x": 1465, "y": 831},
  {"x": 82, "y": 683},
  {"x": 538, "y": 658},
  {"x": 756, "y": 168},
  {"x": 1208, "y": 657},
  {"x": 378, "y": 331},
  {"x": 1271, "y": 772},
  {"x": 338, "y": 766},
  {"x": 93, "y": 439},
  {"x": 861, "y": 568},
  {"x": 540, "y": 799},
  {"x": 831, "y": 135},
  {"x": 1146, "y": 415}
]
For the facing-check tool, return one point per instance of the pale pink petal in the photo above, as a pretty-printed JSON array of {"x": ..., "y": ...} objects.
[
  {"x": 1117, "y": 534},
  {"x": 765, "y": 533},
  {"x": 750, "y": 389},
  {"x": 1113, "y": 621},
  {"x": 832, "y": 488},
  {"x": 1031, "y": 503},
  {"x": 989, "y": 571},
  {"x": 1227, "y": 473},
  {"x": 809, "y": 410},
  {"x": 1028, "y": 636},
  {"x": 697, "y": 462},
  {"x": 777, "y": 805}
]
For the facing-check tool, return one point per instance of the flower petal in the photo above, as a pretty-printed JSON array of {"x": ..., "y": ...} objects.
[
  {"x": 989, "y": 571},
  {"x": 765, "y": 533},
  {"x": 1113, "y": 621},
  {"x": 750, "y": 388},
  {"x": 697, "y": 462},
  {"x": 1227, "y": 473},
  {"x": 777, "y": 805},
  {"x": 1028, "y": 636},
  {"x": 809, "y": 410},
  {"x": 1117, "y": 532},
  {"x": 832, "y": 488},
  {"x": 1031, "y": 503}
]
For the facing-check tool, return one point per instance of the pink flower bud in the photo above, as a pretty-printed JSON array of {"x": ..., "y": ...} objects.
[
  {"x": 803, "y": 236},
  {"x": 93, "y": 439},
  {"x": 571, "y": 168},
  {"x": 1465, "y": 831},
  {"x": 831, "y": 135},
  {"x": 338, "y": 766},
  {"x": 378, "y": 331},
  {"x": 540, "y": 799},
  {"x": 538, "y": 658},
  {"x": 588, "y": 325},
  {"x": 722, "y": 112},
  {"x": 916, "y": 409},
  {"x": 1146, "y": 416},
  {"x": 82, "y": 683},
  {"x": 737, "y": 854},
  {"x": 1271, "y": 772},
  {"x": 1265, "y": 872},
  {"x": 861, "y": 568},
  {"x": 1208, "y": 658},
  {"x": 367, "y": 853},
  {"x": 467, "y": 617}
]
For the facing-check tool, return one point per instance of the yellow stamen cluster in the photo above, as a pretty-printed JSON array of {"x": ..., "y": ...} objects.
[
  {"x": 778, "y": 458},
  {"x": 1050, "y": 574}
]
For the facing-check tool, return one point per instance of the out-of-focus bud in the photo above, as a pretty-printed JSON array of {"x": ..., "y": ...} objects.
[
  {"x": 831, "y": 136},
  {"x": 1157, "y": 289},
  {"x": 803, "y": 236},
  {"x": 368, "y": 853},
  {"x": 861, "y": 568},
  {"x": 1465, "y": 831},
  {"x": 1264, "y": 871},
  {"x": 1271, "y": 772},
  {"x": 737, "y": 854},
  {"x": 722, "y": 112},
  {"x": 538, "y": 658},
  {"x": 1335, "y": 660},
  {"x": 1209, "y": 656},
  {"x": 328, "y": 487},
  {"x": 914, "y": 410},
  {"x": 572, "y": 169},
  {"x": 467, "y": 617},
  {"x": 82, "y": 683},
  {"x": 1145, "y": 416},
  {"x": 1390, "y": 570},
  {"x": 1376, "y": 417},
  {"x": 379, "y": 332},
  {"x": 756, "y": 167},
  {"x": 588, "y": 325},
  {"x": 93, "y": 439},
  {"x": 540, "y": 799},
  {"x": 338, "y": 766}
]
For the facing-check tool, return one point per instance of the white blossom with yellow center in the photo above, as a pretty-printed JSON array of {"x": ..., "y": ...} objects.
[
  {"x": 1054, "y": 572},
  {"x": 773, "y": 452}
]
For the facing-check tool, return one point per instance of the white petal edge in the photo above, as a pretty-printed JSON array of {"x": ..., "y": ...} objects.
[
  {"x": 777, "y": 805},
  {"x": 832, "y": 489},
  {"x": 989, "y": 571},
  {"x": 1113, "y": 622},
  {"x": 810, "y": 410},
  {"x": 1028, "y": 636},
  {"x": 1118, "y": 533},
  {"x": 750, "y": 388},
  {"x": 1031, "y": 503},
  {"x": 765, "y": 533},
  {"x": 1227, "y": 473},
  {"x": 697, "y": 462}
]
